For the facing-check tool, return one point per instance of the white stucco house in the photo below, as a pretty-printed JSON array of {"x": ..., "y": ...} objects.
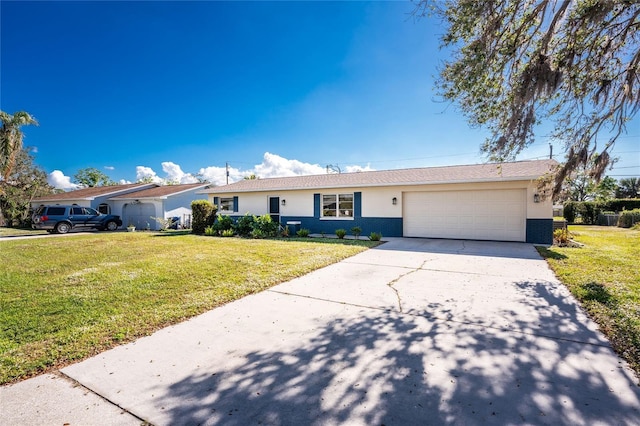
[
  {"x": 134, "y": 203},
  {"x": 499, "y": 202}
]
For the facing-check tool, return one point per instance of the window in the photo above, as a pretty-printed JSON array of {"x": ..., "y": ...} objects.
[
  {"x": 337, "y": 205},
  {"x": 226, "y": 204},
  {"x": 104, "y": 208}
]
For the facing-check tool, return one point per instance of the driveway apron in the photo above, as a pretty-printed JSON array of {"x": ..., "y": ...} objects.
[{"x": 415, "y": 331}]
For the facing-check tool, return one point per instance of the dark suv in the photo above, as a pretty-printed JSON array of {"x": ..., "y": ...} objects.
[{"x": 62, "y": 219}]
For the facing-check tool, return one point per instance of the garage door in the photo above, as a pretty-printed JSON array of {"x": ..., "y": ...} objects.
[
  {"x": 139, "y": 215},
  {"x": 477, "y": 215}
]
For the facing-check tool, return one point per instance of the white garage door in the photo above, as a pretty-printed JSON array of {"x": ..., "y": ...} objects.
[
  {"x": 476, "y": 215},
  {"x": 139, "y": 215}
]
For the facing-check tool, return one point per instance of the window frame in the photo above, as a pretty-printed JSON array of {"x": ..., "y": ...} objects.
[
  {"x": 226, "y": 202},
  {"x": 339, "y": 215}
]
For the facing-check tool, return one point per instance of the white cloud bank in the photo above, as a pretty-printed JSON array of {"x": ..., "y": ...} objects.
[
  {"x": 58, "y": 180},
  {"x": 272, "y": 165}
]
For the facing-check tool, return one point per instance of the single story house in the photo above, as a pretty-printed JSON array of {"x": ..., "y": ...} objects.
[
  {"x": 96, "y": 197},
  {"x": 138, "y": 208},
  {"x": 135, "y": 203},
  {"x": 499, "y": 202}
]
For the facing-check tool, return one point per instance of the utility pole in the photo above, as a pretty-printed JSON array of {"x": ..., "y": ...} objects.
[
  {"x": 227, "y": 165},
  {"x": 550, "y": 151}
]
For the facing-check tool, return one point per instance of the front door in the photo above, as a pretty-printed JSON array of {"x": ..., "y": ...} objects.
[{"x": 274, "y": 208}]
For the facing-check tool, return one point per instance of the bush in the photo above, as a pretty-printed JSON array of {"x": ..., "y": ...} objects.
[
  {"x": 303, "y": 232},
  {"x": 561, "y": 237},
  {"x": 224, "y": 223},
  {"x": 375, "y": 236},
  {"x": 228, "y": 233},
  {"x": 266, "y": 226},
  {"x": 569, "y": 211},
  {"x": 341, "y": 233},
  {"x": 629, "y": 218},
  {"x": 244, "y": 225},
  {"x": 589, "y": 211},
  {"x": 356, "y": 231},
  {"x": 203, "y": 215},
  {"x": 209, "y": 231},
  {"x": 257, "y": 233}
]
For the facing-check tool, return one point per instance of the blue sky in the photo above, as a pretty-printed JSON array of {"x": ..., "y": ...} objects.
[{"x": 170, "y": 89}]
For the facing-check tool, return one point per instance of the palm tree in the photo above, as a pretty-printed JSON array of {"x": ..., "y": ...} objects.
[{"x": 11, "y": 141}]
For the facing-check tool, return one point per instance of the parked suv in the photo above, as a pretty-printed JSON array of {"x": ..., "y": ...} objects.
[{"x": 62, "y": 219}]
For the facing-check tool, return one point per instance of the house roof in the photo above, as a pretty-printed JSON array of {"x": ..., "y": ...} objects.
[
  {"x": 493, "y": 172},
  {"x": 92, "y": 193},
  {"x": 162, "y": 192}
]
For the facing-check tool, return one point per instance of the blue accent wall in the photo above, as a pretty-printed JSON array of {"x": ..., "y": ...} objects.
[
  {"x": 316, "y": 206},
  {"x": 357, "y": 205},
  {"x": 540, "y": 231},
  {"x": 387, "y": 226}
]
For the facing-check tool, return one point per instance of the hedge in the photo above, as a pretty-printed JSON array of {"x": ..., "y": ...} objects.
[
  {"x": 204, "y": 214},
  {"x": 590, "y": 210}
]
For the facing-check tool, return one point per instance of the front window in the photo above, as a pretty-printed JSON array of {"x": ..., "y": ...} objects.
[
  {"x": 337, "y": 205},
  {"x": 104, "y": 208},
  {"x": 226, "y": 204}
]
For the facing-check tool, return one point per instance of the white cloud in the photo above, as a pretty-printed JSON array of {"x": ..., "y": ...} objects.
[
  {"x": 175, "y": 173},
  {"x": 272, "y": 165},
  {"x": 147, "y": 173},
  {"x": 58, "y": 180},
  {"x": 109, "y": 168},
  {"x": 275, "y": 166},
  {"x": 124, "y": 182}
]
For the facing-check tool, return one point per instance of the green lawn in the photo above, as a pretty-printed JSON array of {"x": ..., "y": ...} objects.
[
  {"x": 604, "y": 275},
  {"x": 65, "y": 299},
  {"x": 19, "y": 232}
]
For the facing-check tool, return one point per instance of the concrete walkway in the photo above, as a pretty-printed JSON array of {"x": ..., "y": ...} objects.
[{"x": 413, "y": 332}]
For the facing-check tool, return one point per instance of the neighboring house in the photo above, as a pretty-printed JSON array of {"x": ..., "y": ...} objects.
[
  {"x": 140, "y": 207},
  {"x": 480, "y": 202},
  {"x": 134, "y": 203},
  {"x": 96, "y": 197}
]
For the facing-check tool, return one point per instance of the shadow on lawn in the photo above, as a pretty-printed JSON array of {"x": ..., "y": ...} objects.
[{"x": 382, "y": 367}]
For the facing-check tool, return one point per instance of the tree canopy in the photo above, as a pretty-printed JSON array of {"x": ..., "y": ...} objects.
[
  {"x": 517, "y": 64},
  {"x": 11, "y": 137},
  {"x": 90, "y": 177}
]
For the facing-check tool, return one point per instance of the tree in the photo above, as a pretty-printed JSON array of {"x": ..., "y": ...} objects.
[
  {"x": 11, "y": 142},
  {"x": 27, "y": 182},
  {"x": 91, "y": 177},
  {"x": 628, "y": 188},
  {"x": 517, "y": 64}
]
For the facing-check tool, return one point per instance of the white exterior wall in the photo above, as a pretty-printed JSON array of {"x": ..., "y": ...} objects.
[
  {"x": 377, "y": 201},
  {"x": 180, "y": 204}
]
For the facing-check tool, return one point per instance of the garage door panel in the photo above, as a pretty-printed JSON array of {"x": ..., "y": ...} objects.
[{"x": 483, "y": 215}]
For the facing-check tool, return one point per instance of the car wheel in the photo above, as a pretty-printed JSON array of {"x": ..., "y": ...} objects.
[
  {"x": 111, "y": 226},
  {"x": 63, "y": 228}
]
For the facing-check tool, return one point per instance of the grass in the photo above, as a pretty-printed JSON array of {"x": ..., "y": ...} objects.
[
  {"x": 65, "y": 299},
  {"x": 19, "y": 232},
  {"x": 604, "y": 276}
]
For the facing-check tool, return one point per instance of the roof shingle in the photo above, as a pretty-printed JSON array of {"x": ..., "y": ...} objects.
[
  {"x": 493, "y": 172},
  {"x": 91, "y": 193}
]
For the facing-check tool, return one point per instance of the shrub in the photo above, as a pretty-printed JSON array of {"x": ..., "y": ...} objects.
[
  {"x": 561, "y": 237},
  {"x": 209, "y": 231},
  {"x": 203, "y": 215},
  {"x": 629, "y": 218},
  {"x": 257, "y": 233},
  {"x": 569, "y": 211},
  {"x": 589, "y": 211},
  {"x": 375, "y": 236},
  {"x": 341, "y": 233},
  {"x": 356, "y": 231},
  {"x": 303, "y": 232},
  {"x": 285, "y": 232},
  {"x": 244, "y": 225},
  {"x": 228, "y": 233},
  {"x": 224, "y": 223},
  {"x": 266, "y": 226}
]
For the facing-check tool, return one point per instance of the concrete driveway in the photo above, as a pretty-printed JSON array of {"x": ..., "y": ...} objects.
[{"x": 414, "y": 332}]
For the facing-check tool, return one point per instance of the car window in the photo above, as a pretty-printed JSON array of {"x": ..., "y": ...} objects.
[
  {"x": 41, "y": 210},
  {"x": 91, "y": 211},
  {"x": 55, "y": 211},
  {"x": 76, "y": 210}
]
